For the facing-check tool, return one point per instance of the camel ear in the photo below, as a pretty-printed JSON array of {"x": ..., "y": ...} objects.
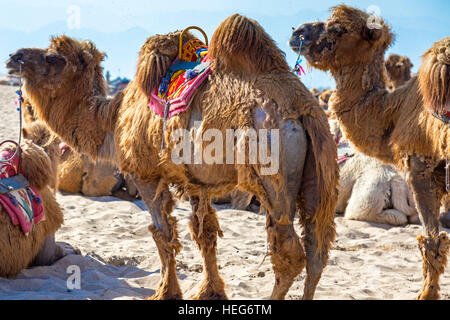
[
  {"x": 372, "y": 34},
  {"x": 152, "y": 67},
  {"x": 86, "y": 58}
]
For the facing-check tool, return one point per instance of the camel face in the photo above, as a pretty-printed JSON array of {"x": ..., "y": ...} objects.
[
  {"x": 37, "y": 65},
  {"x": 58, "y": 66},
  {"x": 398, "y": 68},
  {"x": 347, "y": 37}
]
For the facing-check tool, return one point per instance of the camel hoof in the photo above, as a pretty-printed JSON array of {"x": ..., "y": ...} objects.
[
  {"x": 428, "y": 294},
  {"x": 209, "y": 294},
  {"x": 159, "y": 295}
]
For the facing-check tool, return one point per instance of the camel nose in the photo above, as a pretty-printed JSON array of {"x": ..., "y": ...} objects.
[
  {"x": 17, "y": 56},
  {"x": 310, "y": 31}
]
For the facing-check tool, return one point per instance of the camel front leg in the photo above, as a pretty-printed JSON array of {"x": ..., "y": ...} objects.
[
  {"x": 165, "y": 234},
  {"x": 427, "y": 184},
  {"x": 204, "y": 228}
]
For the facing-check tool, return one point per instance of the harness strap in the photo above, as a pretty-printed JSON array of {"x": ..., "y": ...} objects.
[
  {"x": 166, "y": 116},
  {"x": 12, "y": 184},
  {"x": 443, "y": 117}
]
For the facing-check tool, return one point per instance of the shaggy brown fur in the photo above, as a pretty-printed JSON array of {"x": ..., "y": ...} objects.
[
  {"x": 75, "y": 172},
  {"x": 249, "y": 72},
  {"x": 17, "y": 251},
  {"x": 38, "y": 133},
  {"x": 394, "y": 127},
  {"x": 398, "y": 70}
]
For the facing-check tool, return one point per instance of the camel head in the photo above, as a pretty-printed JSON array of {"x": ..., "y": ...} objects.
[
  {"x": 398, "y": 68},
  {"x": 350, "y": 36},
  {"x": 65, "y": 64}
]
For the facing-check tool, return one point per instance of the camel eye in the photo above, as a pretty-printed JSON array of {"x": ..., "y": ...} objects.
[{"x": 54, "y": 58}]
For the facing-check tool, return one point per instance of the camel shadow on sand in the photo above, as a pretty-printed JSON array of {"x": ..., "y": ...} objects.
[{"x": 98, "y": 281}]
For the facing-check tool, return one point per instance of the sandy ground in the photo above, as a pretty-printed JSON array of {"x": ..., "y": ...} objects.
[{"x": 119, "y": 259}]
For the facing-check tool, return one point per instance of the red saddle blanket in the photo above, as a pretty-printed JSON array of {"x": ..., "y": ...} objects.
[
  {"x": 22, "y": 202},
  {"x": 181, "y": 80}
]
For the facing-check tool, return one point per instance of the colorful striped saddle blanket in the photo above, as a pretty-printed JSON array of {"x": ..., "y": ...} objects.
[
  {"x": 184, "y": 76},
  {"x": 22, "y": 202}
]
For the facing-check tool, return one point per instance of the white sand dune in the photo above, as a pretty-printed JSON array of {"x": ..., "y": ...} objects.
[{"x": 119, "y": 259}]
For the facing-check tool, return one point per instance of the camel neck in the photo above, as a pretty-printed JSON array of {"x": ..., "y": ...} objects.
[
  {"x": 81, "y": 118},
  {"x": 355, "y": 83},
  {"x": 359, "y": 105}
]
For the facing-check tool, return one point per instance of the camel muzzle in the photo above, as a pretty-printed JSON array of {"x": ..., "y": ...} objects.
[
  {"x": 310, "y": 32},
  {"x": 15, "y": 60}
]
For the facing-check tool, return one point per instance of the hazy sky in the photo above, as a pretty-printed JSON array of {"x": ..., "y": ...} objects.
[{"x": 163, "y": 16}]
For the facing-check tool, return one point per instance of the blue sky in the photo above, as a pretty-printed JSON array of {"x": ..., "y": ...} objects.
[{"x": 120, "y": 27}]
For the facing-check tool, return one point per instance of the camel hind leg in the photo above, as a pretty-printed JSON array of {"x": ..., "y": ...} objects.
[
  {"x": 285, "y": 248},
  {"x": 165, "y": 235},
  {"x": 317, "y": 245}
]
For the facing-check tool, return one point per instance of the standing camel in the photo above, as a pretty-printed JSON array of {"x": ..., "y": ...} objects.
[
  {"x": 396, "y": 127},
  {"x": 250, "y": 88}
]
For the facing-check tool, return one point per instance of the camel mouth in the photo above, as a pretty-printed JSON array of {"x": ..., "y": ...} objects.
[{"x": 13, "y": 67}]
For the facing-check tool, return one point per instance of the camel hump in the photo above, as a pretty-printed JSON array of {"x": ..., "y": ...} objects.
[
  {"x": 434, "y": 77},
  {"x": 240, "y": 44}
]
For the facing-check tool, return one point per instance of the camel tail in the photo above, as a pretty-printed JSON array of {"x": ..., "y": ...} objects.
[
  {"x": 319, "y": 191},
  {"x": 402, "y": 198},
  {"x": 240, "y": 44},
  {"x": 434, "y": 77}
]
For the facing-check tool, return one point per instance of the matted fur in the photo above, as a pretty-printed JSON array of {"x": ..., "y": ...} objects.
[
  {"x": 434, "y": 77},
  {"x": 38, "y": 132},
  {"x": 17, "y": 251}
]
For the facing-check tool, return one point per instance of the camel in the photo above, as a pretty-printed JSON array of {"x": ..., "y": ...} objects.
[
  {"x": 76, "y": 173},
  {"x": 372, "y": 191},
  {"x": 250, "y": 87},
  {"x": 398, "y": 70},
  {"x": 395, "y": 127},
  {"x": 17, "y": 250},
  {"x": 324, "y": 97}
]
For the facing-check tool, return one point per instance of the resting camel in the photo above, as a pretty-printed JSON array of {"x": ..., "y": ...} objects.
[
  {"x": 398, "y": 70},
  {"x": 250, "y": 88},
  {"x": 372, "y": 191},
  {"x": 18, "y": 251},
  {"x": 395, "y": 127}
]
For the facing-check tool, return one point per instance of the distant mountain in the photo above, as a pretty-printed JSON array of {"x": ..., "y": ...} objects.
[{"x": 413, "y": 37}]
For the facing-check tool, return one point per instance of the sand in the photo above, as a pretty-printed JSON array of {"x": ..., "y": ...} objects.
[{"x": 119, "y": 259}]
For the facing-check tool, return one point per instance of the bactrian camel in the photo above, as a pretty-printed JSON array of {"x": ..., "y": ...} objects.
[{"x": 396, "y": 127}]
